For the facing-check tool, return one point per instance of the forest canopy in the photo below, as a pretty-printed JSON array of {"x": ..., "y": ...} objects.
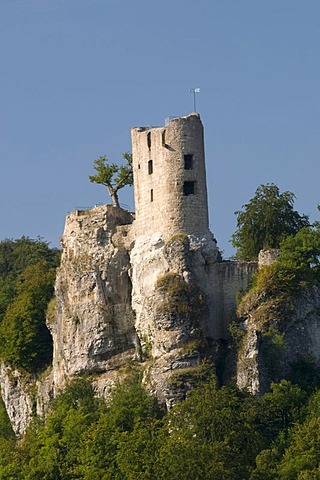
[{"x": 216, "y": 433}]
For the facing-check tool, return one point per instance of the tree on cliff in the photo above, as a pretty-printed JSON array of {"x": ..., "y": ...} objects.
[
  {"x": 113, "y": 176},
  {"x": 267, "y": 219}
]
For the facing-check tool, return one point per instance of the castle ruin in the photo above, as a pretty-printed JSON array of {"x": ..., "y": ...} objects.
[
  {"x": 148, "y": 289},
  {"x": 170, "y": 193},
  {"x": 170, "y": 188}
]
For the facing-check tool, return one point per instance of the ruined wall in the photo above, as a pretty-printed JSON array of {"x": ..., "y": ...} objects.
[
  {"x": 226, "y": 280},
  {"x": 267, "y": 257},
  {"x": 160, "y": 172}
]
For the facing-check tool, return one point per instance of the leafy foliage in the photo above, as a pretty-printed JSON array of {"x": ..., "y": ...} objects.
[
  {"x": 213, "y": 434},
  {"x": 295, "y": 453},
  {"x": 297, "y": 267},
  {"x": 113, "y": 176},
  {"x": 265, "y": 221},
  {"x": 6, "y": 432},
  {"x": 27, "y": 273}
]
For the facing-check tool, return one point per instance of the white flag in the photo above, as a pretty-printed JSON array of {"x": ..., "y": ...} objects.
[{"x": 197, "y": 90}]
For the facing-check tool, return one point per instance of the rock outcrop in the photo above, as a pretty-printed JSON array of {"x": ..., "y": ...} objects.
[
  {"x": 93, "y": 328},
  {"x": 171, "y": 302},
  {"x": 280, "y": 334},
  {"x": 120, "y": 299},
  {"x": 18, "y": 397},
  {"x": 153, "y": 293}
]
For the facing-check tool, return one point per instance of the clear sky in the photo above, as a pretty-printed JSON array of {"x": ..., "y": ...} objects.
[{"x": 76, "y": 75}]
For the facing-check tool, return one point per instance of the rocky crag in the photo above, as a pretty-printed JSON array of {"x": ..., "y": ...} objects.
[
  {"x": 122, "y": 302},
  {"x": 280, "y": 338},
  {"x": 149, "y": 292},
  {"x": 143, "y": 302},
  {"x": 159, "y": 306}
]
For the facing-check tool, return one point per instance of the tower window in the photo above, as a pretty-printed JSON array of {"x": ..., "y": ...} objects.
[
  {"x": 188, "y": 188},
  {"x": 164, "y": 138},
  {"x": 149, "y": 140},
  {"x": 188, "y": 162},
  {"x": 151, "y": 195},
  {"x": 150, "y": 167}
]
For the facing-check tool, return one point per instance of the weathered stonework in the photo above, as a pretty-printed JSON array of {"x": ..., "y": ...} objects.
[
  {"x": 267, "y": 257},
  {"x": 164, "y": 159},
  {"x": 152, "y": 291}
]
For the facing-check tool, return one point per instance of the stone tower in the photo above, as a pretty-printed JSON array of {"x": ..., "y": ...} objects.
[{"x": 169, "y": 178}]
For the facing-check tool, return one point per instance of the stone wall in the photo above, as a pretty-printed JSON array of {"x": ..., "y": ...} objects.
[
  {"x": 160, "y": 173},
  {"x": 227, "y": 279},
  {"x": 267, "y": 257}
]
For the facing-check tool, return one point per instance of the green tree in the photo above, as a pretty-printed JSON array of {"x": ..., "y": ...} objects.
[
  {"x": 297, "y": 267},
  {"x": 299, "y": 263},
  {"x": 52, "y": 450},
  {"x": 279, "y": 411},
  {"x": 113, "y": 176},
  {"x": 302, "y": 459},
  {"x": 15, "y": 257},
  {"x": 280, "y": 408},
  {"x": 265, "y": 221},
  {"x": 26, "y": 340},
  {"x": 122, "y": 444},
  {"x": 212, "y": 435},
  {"x": 6, "y": 431}
]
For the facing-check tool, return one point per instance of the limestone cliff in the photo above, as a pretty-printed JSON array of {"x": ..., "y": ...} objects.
[
  {"x": 93, "y": 329},
  {"x": 122, "y": 299},
  {"x": 154, "y": 303},
  {"x": 144, "y": 300},
  {"x": 172, "y": 304},
  {"x": 279, "y": 335},
  {"x": 150, "y": 291},
  {"x": 16, "y": 391}
]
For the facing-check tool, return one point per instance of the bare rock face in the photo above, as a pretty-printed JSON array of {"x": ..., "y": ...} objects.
[
  {"x": 280, "y": 334},
  {"x": 123, "y": 298},
  {"x": 93, "y": 328},
  {"x": 171, "y": 305},
  {"x": 16, "y": 392}
]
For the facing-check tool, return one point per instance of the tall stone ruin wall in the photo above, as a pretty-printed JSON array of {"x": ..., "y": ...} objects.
[
  {"x": 160, "y": 175},
  {"x": 227, "y": 279}
]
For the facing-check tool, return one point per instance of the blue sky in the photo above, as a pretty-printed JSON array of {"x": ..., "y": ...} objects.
[{"x": 76, "y": 75}]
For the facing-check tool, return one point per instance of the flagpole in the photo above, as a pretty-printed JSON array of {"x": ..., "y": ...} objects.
[{"x": 194, "y": 91}]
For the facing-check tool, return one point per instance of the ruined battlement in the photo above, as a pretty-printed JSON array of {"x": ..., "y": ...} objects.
[{"x": 169, "y": 178}]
